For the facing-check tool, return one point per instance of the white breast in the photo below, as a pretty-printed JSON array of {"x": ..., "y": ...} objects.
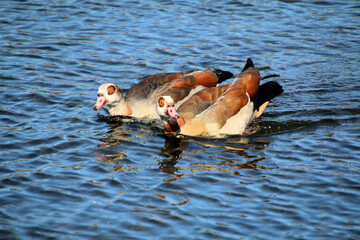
[{"x": 143, "y": 109}]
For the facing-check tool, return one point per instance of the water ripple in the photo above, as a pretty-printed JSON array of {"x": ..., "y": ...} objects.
[{"x": 69, "y": 172}]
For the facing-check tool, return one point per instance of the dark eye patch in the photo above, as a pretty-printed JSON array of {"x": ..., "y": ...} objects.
[
  {"x": 161, "y": 102},
  {"x": 111, "y": 89}
]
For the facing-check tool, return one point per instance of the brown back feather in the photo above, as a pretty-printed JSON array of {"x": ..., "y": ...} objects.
[
  {"x": 200, "y": 101},
  {"x": 227, "y": 105},
  {"x": 148, "y": 85}
]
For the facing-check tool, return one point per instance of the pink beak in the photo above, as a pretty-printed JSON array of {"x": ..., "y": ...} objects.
[
  {"x": 101, "y": 101},
  {"x": 171, "y": 111}
]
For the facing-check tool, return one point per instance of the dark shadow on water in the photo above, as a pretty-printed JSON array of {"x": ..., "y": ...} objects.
[
  {"x": 117, "y": 132},
  {"x": 295, "y": 125},
  {"x": 116, "y": 120},
  {"x": 174, "y": 146},
  {"x": 238, "y": 149},
  {"x": 122, "y": 132},
  {"x": 182, "y": 155}
]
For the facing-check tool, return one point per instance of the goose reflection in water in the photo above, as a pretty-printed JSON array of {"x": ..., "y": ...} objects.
[
  {"x": 177, "y": 148},
  {"x": 126, "y": 135}
]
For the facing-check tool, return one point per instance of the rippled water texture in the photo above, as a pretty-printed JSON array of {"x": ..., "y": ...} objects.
[{"x": 67, "y": 172}]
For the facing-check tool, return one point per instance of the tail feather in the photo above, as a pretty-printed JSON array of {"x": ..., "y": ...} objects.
[
  {"x": 270, "y": 76},
  {"x": 267, "y": 92},
  {"x": 249, "y": 64},
  {"x": 223, "y": 75}
]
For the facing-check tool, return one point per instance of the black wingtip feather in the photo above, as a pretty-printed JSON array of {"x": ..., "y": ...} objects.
[
  {"x": 249, "y": 64},
  {"x": 270, "y": 76},
  {"x": 223, "y": 75},
  {"x": 267, "y": 92}
]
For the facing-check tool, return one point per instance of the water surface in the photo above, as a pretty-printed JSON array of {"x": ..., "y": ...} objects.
[{"x": 67, "y": 172}]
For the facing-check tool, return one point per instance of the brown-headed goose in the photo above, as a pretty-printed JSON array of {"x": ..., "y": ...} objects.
[
  {"x": 140, "y": 100},
  {"x": 222, "y": 110}
]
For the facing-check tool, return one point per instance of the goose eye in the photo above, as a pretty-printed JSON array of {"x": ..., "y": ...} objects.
[
  {"x": 110, "y": 90},
  {"x": 161, "y": 102}
]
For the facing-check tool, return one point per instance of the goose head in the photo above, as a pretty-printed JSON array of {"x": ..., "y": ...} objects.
[
  {"x": 165, "y": 108},
  {"x": 111, "y": 95}
]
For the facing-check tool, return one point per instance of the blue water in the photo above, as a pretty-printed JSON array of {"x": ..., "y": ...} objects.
[{"x": 67, "y": 172}]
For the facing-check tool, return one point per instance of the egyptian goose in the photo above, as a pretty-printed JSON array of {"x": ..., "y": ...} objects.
[
  {"x": 222, "y": 110},
  {"x": 141, "y": 99}
]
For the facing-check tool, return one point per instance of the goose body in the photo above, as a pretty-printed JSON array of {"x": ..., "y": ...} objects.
[
  {"x": 222, "y": 110},
  {"x": 140, "y": 100}
]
